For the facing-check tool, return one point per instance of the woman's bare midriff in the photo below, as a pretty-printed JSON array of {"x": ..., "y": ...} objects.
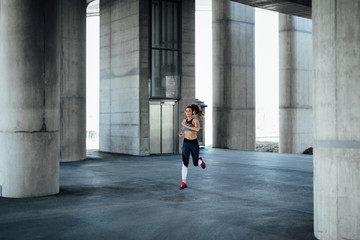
[{"x": 190, "y": 135}]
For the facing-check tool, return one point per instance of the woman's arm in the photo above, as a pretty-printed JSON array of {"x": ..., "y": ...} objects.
[
  {"x": 184, "y": 123},
  {"x": 182, "y": 131}
]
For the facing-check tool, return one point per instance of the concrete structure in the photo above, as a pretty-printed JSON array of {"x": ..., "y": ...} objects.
[
  {"x": 124, "y": 73},
  {"x": 187, "y": 59},
  {"x": 124, "y": 102},
  {"x": 29, "y": 97},
  {"x": 233, "y": 75},
  {"x": 73, "y": 80},
  {"x": 36, "y": 43},
  {"x": 295, "y": 84},
  {"x": 336, "y": 49},
  {"x": 301, "y": 8}
]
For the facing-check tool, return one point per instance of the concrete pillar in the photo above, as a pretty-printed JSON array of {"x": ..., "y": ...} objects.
[
  {"x": 295, "y": 84},
  {"x": 124, "y": 93},
  {"x": 233, "y": 75},
  {"x": 187, "y": 57},
  {"x": 336, "y": 45},
  {"x": 29, "y": 97},
  {"x": 73, "y": 80}
]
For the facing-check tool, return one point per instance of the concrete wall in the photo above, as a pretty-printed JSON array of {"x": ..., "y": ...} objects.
[
  {"x": 187, "y": 57},
  {"x": 295, "y": 84},
  {"x": 124, "y": 104},
  {"x": 144, "y": 78},
  {"x": 233, "y": 75},
  {"x": 336, "y": 45},
  {"x": 73, "y": 80},
  {"x": 29, "y": 97}
]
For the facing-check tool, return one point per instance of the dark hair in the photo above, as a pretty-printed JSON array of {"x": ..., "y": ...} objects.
[{"x": 196, "y": 109}]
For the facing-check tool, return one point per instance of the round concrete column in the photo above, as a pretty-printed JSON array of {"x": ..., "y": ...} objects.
[
  {"x": 295, "y": 84},
  {"x": 336, "y": 45},
  {"x": 29, "y": 98}
]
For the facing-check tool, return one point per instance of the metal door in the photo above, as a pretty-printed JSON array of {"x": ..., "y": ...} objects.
[
  {"x": 155, "y": 127},
  {"x": 162, "y": 127}
]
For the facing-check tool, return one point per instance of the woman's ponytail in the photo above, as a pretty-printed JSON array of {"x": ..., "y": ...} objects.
[{"x": 197, "y": 109}]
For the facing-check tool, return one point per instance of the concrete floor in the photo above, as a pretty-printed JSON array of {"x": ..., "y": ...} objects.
[{"x": 240, "y": 195}]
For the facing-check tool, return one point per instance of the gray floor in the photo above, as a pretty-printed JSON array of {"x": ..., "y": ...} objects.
[{"x": 240, "y": 195}]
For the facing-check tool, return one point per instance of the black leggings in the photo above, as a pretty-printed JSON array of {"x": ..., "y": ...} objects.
[{"x": 190, "y": 146}]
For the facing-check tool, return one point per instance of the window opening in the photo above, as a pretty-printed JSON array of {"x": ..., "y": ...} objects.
[{"x": 165, "y": 50}]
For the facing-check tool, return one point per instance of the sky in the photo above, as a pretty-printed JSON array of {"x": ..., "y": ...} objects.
[
  {"x": 267, "y": 74},
  {"x": 203, "y": 61},
  {"x": 92, "y": 81}
]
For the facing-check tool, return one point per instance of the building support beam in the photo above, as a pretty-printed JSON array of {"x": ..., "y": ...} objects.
[
  {"x": 29, "y": 97},
  {"x": 300, "y": 8},
  {"x": 233, "y": 75},
  {"x": 187, "y": 58},
  {"x": 336, "y": 45},
  {"x": 295, "y": 84},
  {"x": 73, "y": 81},
  {"x": 124, "y": 94}
]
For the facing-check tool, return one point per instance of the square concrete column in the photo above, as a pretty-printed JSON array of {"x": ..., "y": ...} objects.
[
  {"x": 187, "y": 57},
  {"x": 73, "y": 81},
  {"x": 336, "y": 45},
  {"x": 124, "y": 93},
  {"x": 29, "y": 97},
  {"x": 233, "y": 75},
  {"x": 295, "y": 84}
]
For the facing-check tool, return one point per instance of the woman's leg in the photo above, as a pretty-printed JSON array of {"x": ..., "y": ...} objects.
[
  {"x": 185, "y": 154},
  {"x": 194, "y": 150},
  {"x": 195, "y": 155},
  {"x": 184, "y": 170}
]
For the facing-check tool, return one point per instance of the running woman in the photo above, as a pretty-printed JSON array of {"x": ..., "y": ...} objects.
[{"x": 190, "y": 128}]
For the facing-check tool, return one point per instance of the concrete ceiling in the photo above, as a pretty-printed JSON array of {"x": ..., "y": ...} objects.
[
  {"x": 300, "y": 8},
  {"x": 93, "y": 8}
]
